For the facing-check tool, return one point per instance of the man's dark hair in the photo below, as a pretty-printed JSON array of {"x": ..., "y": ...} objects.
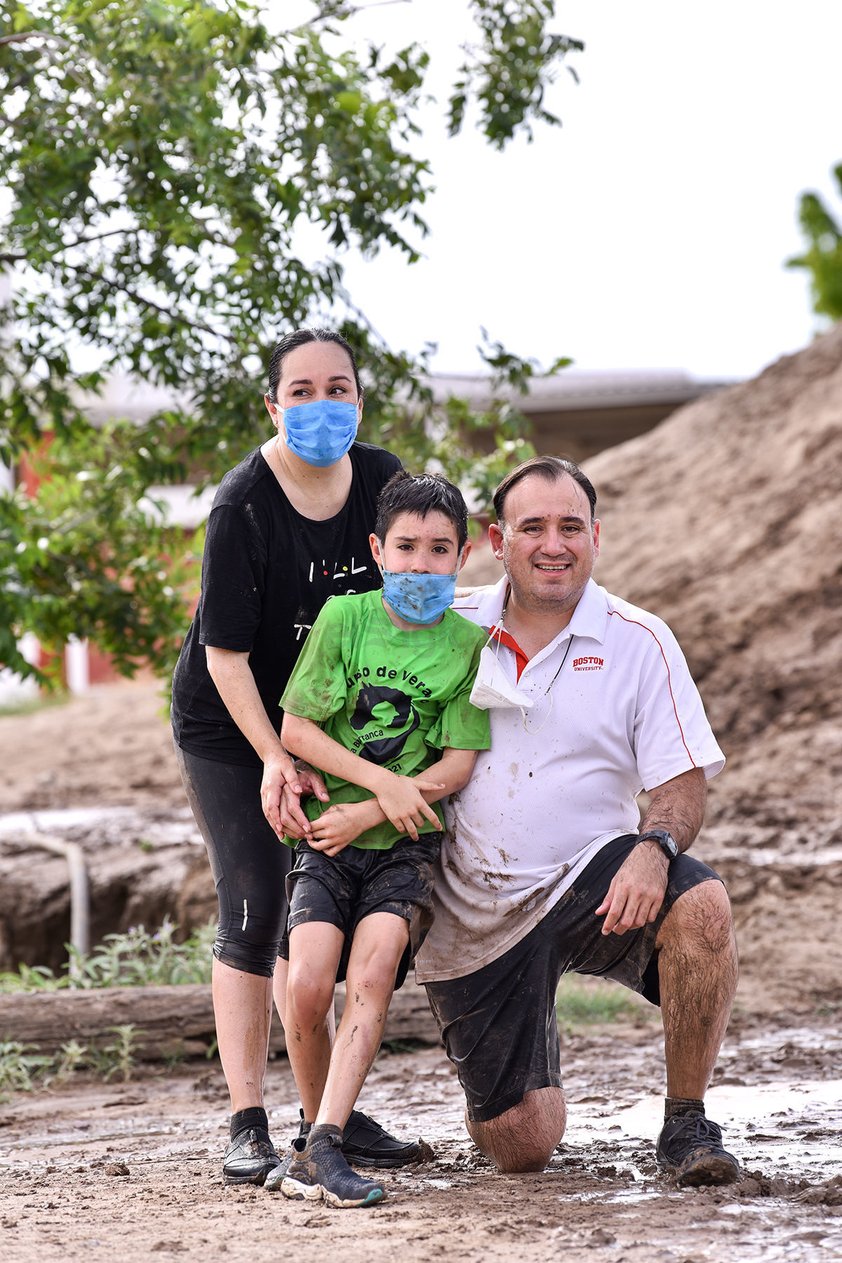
[
  {"x": 549, "y": 467},
  {"x": 421, "y": 494},
  {"x": 300, "y": 337}
]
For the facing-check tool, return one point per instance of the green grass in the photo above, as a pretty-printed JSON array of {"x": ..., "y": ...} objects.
[{"x": 583, "y": 1001}]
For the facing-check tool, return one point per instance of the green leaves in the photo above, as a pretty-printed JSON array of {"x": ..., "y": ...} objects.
[
  {"x": 165, "y": 161},
  {"x": 823, "y": 257},
  {"x": 509, "y": 69}
]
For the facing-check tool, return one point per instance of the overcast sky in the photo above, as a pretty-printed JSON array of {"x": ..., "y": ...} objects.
[{"x": 651, "y": 230}]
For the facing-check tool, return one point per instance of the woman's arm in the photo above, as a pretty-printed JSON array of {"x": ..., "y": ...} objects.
[{"x": 236, "y": 685}]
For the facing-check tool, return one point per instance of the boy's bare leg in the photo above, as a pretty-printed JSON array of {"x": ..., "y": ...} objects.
[
  {"x": 379, "y": 942},
  {"x": 279, "y": 993},
  {"x": 314, "y": 948}
]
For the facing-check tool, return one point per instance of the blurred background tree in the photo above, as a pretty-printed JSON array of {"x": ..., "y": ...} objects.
[
  {"x": 165, "y": 161},
  {"x": 823, "y": 256}
]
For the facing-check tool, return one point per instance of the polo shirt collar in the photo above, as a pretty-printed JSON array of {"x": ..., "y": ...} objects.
[
  {"x": 486, "y": 605},
  {"x": 590, "y": 617}
]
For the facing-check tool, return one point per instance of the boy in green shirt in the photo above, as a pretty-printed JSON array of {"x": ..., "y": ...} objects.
[{"x": 379, "y": 702}]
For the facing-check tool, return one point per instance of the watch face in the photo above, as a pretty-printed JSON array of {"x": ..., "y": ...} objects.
[{"x": 665, "y": 841}]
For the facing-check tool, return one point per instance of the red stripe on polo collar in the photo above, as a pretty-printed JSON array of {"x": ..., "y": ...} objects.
[{"x": 508, "y": 641}]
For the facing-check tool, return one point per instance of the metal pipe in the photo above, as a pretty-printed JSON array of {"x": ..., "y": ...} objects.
[{"x": 80, "y": 899}]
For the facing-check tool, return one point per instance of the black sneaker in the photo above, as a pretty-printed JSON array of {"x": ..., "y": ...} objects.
[
  {"x": 367, "y": 1144},
  {"x": 249, "y": 1158},
  {"x": 319, "y": 1172},
  {"x": 690, "y": 1148}
]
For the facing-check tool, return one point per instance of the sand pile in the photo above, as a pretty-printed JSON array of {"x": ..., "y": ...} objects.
[{"x": 726, "y": 521}]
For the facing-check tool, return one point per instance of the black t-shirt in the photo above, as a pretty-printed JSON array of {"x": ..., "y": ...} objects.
[{"x": 266, "y": 573}]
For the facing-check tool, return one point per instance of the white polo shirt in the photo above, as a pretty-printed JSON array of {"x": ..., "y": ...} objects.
[{"x": 614, "y": 711}]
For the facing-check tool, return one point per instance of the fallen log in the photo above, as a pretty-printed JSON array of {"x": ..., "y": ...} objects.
[{"x": 167, "y": 1022}]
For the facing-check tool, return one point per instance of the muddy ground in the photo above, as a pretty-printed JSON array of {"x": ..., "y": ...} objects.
[{"x": 131, "y": 1171}]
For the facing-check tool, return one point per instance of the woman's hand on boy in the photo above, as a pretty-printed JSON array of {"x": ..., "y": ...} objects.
[{"x": 293, "y": 818}]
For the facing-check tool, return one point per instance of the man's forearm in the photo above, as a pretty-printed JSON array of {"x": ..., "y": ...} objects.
[{"x": 678, "y": 806}]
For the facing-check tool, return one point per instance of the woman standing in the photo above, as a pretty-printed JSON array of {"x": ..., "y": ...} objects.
[{"x": 288, "y": 529}]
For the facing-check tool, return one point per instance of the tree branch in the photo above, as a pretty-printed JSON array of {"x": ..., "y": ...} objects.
[{"x": 20, "y": 36}]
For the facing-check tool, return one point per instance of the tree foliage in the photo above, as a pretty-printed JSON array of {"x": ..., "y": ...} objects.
[
  {"x": 823, "y": 256},
  {"x": 165, "y": 161}
]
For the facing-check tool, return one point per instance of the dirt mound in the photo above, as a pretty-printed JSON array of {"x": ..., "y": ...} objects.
[{"x": 725, "y": 520}]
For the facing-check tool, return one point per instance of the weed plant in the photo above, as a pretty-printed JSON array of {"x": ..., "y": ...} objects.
[
  {"x": 138, "y": 958},
  {"x": 135, "y": 959},
  {"x": 23, "y": 1069}
]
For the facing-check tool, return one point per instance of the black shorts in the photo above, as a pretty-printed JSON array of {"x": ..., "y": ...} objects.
[
  {"x": 344, "y": 888},
  {"x": 498, "y": 1024}
]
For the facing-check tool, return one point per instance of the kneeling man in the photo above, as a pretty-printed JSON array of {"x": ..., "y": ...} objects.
[{"x": 547, "y": 866}]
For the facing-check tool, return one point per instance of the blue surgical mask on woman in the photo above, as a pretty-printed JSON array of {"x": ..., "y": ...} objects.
[
  {"x": 419, "y": 598},
  {"x": 321, "y": 432}
]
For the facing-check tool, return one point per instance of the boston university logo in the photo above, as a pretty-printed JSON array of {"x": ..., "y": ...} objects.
[{"x": 588, "y": 664}]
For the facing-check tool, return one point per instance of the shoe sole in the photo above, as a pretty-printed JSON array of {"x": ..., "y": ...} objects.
[
  {"x": 371, "y": 1199},
  {"x": 257, "y": 1180},
  {"x": 382, "y": 1164},
  {"x": 317, "y": 1193},
  {"x": 303, "y": 1192},
  {"x": 708, "y": 1168}
]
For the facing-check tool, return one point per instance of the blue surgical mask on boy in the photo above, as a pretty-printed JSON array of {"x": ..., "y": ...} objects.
[
  {"x": 419, "y": 598},
  {"x": 321, "y": 432}
]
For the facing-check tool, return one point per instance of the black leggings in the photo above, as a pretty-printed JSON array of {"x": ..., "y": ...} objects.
[{"x": 248, "y": 860}]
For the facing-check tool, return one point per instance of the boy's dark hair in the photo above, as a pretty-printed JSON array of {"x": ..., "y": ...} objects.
[
  {"x": 300, "y": 337},
  {"x": 421, "y": 494},
  {"x": 550, "y": 467}
]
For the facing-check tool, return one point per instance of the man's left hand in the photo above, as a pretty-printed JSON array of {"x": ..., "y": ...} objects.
[{"x": 637, "y": 891}]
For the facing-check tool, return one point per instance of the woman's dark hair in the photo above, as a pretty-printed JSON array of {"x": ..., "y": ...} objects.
[
  {"x": 549, "y": 467},
  {"x": 421, "y": 494},
  {"x": 300, "y": 337}
]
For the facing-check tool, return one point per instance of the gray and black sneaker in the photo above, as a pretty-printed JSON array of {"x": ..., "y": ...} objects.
[
  {"x": 319, "y": 1172},
  {"x": 690, "y": 1148},
  {"x": 249, "y": 1158},
  {"x": 275, "y": 1178}
]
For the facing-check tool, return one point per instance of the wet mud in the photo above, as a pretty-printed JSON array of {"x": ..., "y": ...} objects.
[{"x": 132, "y": 1171}]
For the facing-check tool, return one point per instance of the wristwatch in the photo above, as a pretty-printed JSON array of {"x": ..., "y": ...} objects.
[{"x": 665, "y": 841}]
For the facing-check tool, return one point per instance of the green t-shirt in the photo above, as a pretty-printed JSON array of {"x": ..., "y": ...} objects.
[{"x": 397, "y": 698}]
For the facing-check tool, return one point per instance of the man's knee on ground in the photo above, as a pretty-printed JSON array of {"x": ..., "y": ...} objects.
[{"x": 524, "y": 1137}]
